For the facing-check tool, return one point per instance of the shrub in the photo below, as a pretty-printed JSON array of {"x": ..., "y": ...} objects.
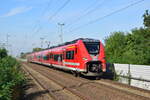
[
  {"x": 10, "y": 77},
  {"x": 3, "y": 53}
]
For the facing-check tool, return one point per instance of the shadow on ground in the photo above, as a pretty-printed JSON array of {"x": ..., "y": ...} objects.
[{"x": 34, "y": 95}]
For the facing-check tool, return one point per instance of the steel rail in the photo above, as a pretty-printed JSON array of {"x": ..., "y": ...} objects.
[{"x": 68, "y": 89}]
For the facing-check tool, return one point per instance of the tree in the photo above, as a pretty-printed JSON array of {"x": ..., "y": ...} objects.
[
  {"x": 24, "y": 55},
  {"x": 115, "y": 45},
  {"x": 36, "y": 49},
  {"x": 146, "y": 20},
  {"x": 3, "y": 53},
  {"x": 132, "y": 48},
  {"x": 138, "y": 46}
]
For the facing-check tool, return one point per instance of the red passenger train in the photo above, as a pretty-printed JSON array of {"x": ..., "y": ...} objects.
[{"x": 85, "y": 56}]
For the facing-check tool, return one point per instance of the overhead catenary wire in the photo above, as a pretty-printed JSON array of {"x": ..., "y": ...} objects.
[
  {"x": 46, "y": 8},
  {"x": 107, "y": 15},
  {"x": 50, "y": 18},
  {"x": 37, "y": 28},
  {"x": 58, "y": 10},
  {"x": 88, "y": 11},
  {"x": 38, "y": 21},
  {"x": 83, "y": 11}
]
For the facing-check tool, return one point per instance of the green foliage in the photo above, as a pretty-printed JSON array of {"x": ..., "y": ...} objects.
[
  {"x": 133, "y": 48},
  {"x": 113, "y": 46},
  {"x": 3, "y": 53},
  {"x": 146, "y": 17},
  {"x": 37, "y": 49},
  {"x": 22, "y": 55},
  {"x": 10, "y": 77}
]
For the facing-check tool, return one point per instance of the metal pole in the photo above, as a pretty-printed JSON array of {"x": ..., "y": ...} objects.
[
  {"x": 48, "y": 43},
  {"x": 42, "y": 42},
  {"x": 129, "y": 75},
  {"x": 7, "y": 36},
  {"x": 61, "y": 31},
  {"x": 2, "y": 45},
  {"x": 7, "y": 43}
]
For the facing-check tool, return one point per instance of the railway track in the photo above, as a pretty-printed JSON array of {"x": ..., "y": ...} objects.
[
  {"x": 134, "y": 91},
  {"x": 84, "y": 89},
  {"x": 38, "y": 83},
  {"x": 67, "y": 92}
]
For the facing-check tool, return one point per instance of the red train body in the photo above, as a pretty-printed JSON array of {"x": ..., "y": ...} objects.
[{"x": 83, "y": 55}]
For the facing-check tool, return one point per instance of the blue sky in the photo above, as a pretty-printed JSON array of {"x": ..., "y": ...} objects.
[{"x": 26, "y": 21}]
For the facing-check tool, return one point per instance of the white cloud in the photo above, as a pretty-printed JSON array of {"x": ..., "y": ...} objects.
[{"x": 16, "y": 11}]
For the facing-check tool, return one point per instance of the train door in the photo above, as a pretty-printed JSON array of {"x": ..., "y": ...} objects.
[
  {"x": 60, "y": 59},
  {"x": 76, "y": 61},
  {"x": 51, "y": 58},
  {"x": 46, "y": 58},
  {"x": 63, "y": 56},
  {"x": 70, "y": 57},
  {"x": 76, "y": 56}
]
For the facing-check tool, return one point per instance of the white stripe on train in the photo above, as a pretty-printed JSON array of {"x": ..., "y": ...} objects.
[
  {"x": 64, "y": 67},
  {"x": 71, "y": 63}
]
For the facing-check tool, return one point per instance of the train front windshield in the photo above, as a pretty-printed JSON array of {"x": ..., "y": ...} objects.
[{"x": 92, "y": 47}]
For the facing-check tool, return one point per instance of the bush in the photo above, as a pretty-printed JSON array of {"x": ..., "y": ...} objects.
[
  {"x": 10, "y": 77},
  {"x": 131, "y": 48},
  {"x": 3, "y": 53}
]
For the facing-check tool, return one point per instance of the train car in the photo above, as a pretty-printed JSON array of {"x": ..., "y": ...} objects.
[{"x": 81, "y": 56}]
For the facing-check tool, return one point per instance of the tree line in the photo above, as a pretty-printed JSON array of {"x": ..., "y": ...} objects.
[{"x": 130, "y": 47}]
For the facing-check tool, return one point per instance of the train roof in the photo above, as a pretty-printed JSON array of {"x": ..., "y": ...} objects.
[{"x": 72, "y": 42}]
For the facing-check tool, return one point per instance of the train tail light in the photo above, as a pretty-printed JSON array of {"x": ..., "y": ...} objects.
[{"x": 103, "y": 67}]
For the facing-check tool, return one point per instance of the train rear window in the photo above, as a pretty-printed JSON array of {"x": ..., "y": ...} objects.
[{"x": 92, "y": 47}]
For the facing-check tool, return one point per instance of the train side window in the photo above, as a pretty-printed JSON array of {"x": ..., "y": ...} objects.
[
  {"x": 70, "y": 54},
  {"x": 51, "y": 56},
  {"x": 61, "y": 57},
  {"x": 67, "y": 55},
  {"x": 38, "y": 57},
  {"x": 58, "y": 57},
  {"x": 75, "y": 50},
  {"x": 45, "y": 57},
  {"x": 55, "y": 57}
]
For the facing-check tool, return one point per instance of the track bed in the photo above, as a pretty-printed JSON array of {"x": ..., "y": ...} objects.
[{"x": 63, "y": 86}]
